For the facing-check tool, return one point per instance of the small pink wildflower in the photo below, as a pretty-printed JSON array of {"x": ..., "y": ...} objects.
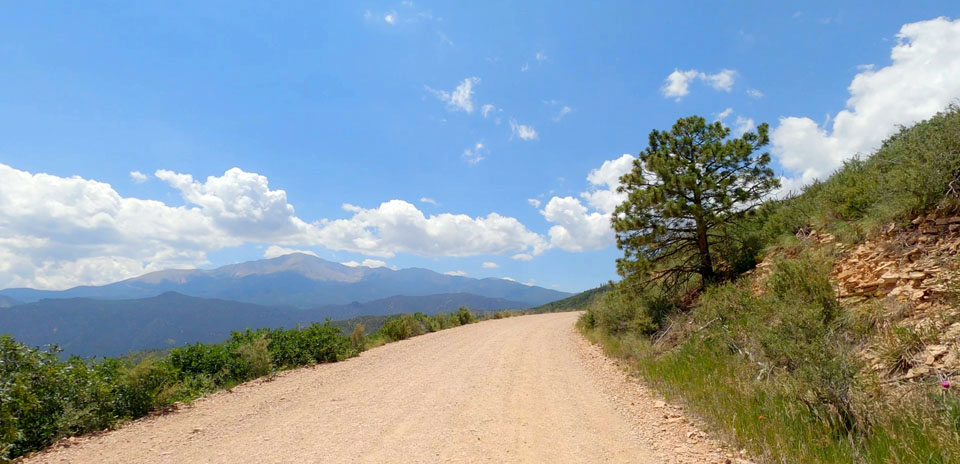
[{"x": 945, "y": 384}]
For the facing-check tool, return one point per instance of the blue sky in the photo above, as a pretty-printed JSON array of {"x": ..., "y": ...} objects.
[{"x": 347, "y": 106}]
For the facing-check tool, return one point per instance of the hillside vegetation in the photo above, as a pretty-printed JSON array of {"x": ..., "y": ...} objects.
[
  {"x": 774, "y": 359},
  {"x": 576, "y": 302}
]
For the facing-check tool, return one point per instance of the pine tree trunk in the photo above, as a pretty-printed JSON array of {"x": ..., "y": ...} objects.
[{"x": 706, "y": 263}]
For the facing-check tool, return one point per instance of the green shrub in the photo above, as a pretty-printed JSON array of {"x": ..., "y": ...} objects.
[
  {"x": 256, "y": 359},
  {"x": 316, "y": 343},
  {"x": 357, "y": 337},
  {"x": 43, "y": 399},
  {"x": 464, "y": 316},
  {"x": 400, "y": 328}
]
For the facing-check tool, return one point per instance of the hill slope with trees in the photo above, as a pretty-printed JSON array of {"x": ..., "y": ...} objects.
[{"x": 774, "y": 356}]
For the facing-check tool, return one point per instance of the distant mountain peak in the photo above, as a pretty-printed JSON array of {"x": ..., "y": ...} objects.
[{"x": 300, "y": 280}]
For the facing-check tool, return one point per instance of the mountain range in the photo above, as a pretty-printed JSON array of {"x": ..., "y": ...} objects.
[
  {"x": 86, "y": 327},
  {"x": 173, "y": 307},
  {"x": 299, "y": 280}
]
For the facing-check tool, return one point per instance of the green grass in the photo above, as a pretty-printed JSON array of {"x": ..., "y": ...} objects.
[{"x": 782, "y": 382}]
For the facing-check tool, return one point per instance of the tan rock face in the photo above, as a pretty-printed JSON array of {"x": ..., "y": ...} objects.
[
  {"x": 914, "y": 269},
  {"x": 904, "y": 264}
]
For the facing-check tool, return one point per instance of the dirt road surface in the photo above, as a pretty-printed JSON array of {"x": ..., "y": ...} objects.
[{"x": 523, "y": 389}]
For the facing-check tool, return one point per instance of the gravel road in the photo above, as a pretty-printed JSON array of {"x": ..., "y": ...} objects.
[{"x": 523, "y": 389}]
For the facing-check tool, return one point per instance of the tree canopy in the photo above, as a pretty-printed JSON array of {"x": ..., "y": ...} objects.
[{"x": 690, "y": 183}]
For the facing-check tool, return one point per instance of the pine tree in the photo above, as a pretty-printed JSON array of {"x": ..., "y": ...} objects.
[{"x": 683, "y": 190}]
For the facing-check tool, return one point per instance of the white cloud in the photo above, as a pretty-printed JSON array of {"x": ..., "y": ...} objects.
[
  {"x": 604, "y": 180},
  {"x": 522, "y": 257},
  {"x": 489, "y": 265},
  {"x": 511, "y": 279},
  {"x": 741, "y": 125},
  {"x": 724, "y": 114},
  {"x": 475, "y": 154},
  {"x": 371, "y": 263},
  {"x": 390, "y": 18},
  {"x": 576, "y": 229},
  {"x": 138, "y": 177},
  {"x": 455, "y": 273},
  {"x": 722, "y": 80},
  {"x": 541, "y": 57},
  {"x": 429, "y": 200},
  {"x": 241, "y": 204},
  {"x": 533, "y": 202},
  {"x": 486, "y": 110},
  {"x": 563, "y": 112},
  {"x": 274, "y": 251},
  {"x": 522, "y": 131},
  {"x": 58, "y": 232},
  {"x": 525, "y": 67},
  {"x": 677, "y": 84},
  {"x": 399, "y": 227},
  {"x": 920, "y": 81},
  {"x": 461, "y": 98},
  {"x": 754, "y": 93}
]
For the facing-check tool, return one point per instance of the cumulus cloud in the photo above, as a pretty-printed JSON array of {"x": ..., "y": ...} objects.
[
  {"x": 677, "y": 84},
  {"x": 475, "y": 154},
  {"x": 522, "y": 257},
  {"x": 754, "y": 93},
  {"x": 522, "y": 131},
  {"x": 576, "y": 229},
  {"x": 138, "y": 177},
  {"x": 241, "y": 204},
  {"x": 604, "y": 181},
  {"x": 274, "y": 251},
  {"x": 399, "y": 227},
  {"x": 541, "y": 57},
  {"x": 371, "y": 263},
  {"x": 580, "y": 228},
  {"x": 390, "y": 18},
  {"x": 455, "y": 273},
  {"x": 489, "y": 265},
  {"x": 461, "y": 98},
  {"x": 58, "y": 232},
  {"x": 920, "y": 81},
  {"x": 533, "y": 202}
]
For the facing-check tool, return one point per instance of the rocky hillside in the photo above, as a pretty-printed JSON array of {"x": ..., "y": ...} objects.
[{"x": 912, "y": 272}]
